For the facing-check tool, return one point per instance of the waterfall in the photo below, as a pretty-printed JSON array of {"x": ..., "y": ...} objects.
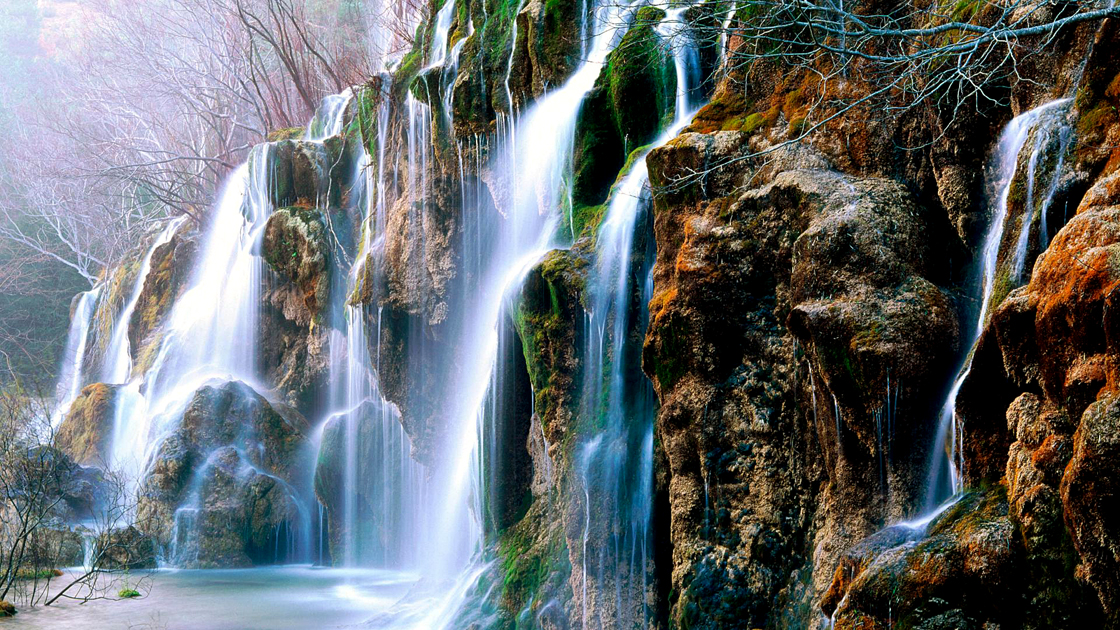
[
  {"x": 118, "y": 356},
  {"x": 437, "y": 54},
  {"x": 210, "y": 331},
  {"x": 516, "y": 235},
  {"x": 616, "y": 464},
  {"x": 945, "y": 480},
  {"x": 382, "y": 484},
  {"x": 70, "y": 372},
  {"x": 1045, "y": 133},
  {"x": 327, "y": 121}
]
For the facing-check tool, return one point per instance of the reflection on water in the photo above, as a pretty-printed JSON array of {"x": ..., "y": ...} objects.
[{"x": 280, "y": 598}]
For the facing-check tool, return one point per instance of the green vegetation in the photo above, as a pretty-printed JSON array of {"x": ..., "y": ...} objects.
[
  {"x": 1002, "y": 286},
  {"x": 532, "y": 554},
  {"x": 631, "y": 103},
  {"x": 290, "y": 133},
  {"x": 28, "y": 573}
]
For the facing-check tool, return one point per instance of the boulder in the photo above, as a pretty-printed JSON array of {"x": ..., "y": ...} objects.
[
  {"x": 371, "y": 434},
  {"x": 125, "y": 548},
  {"x": 222, "y": 488},
  {"x": 85, "y": 433},
  {"x": 1089, "y": 491},
  {"x": 963, "y": 574},
  {"x": 632, "y": 101},
  {"x": 295, "y": 246}
]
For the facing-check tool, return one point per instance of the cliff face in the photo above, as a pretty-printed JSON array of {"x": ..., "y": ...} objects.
[{"x": 794, "y": 316}]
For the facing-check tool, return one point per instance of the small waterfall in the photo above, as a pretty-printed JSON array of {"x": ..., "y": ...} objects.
[
  {"x": 210, "y": 332},
  {"x": 117, "y": 367},
  {"x": 516, "y": 235},
  {"x": 616, "y": 464},
  {"x": 70, "y": 374},
  {"x": 327, "y": 121},
  {"x": 437, "y": 54},
  {"x": 945, "y": 480},
  {"x": 382, "y": 484},
  {"x": 1051, "y": 129}
]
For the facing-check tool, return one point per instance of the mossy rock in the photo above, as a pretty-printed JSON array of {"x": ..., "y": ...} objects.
[
  {"x": 295, "y": 247},
  {"x": 170, "y": 269},
  {"x": 289, "y": 133},
  {"x": 85, "y": 432},
  {"x": 6, "y": 609},
  {"x": 632, "y": 101},
  {"x": 534, "y": 561},
  {"x": 547, "y": 318},
  {"x": 128, "y": 593}
]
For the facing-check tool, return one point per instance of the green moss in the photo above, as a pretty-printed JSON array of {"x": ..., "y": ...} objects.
[
  {"x": 631, "y": 103},
  {"x": 586, "y": 219},
  {"x": 545, "y": 317},
  {"x": 37, "y": 574},
  {"x": 128, "y": 593},
  {"x": 753, "y": 123},
  {"x": 532, "y": 554},
  {"x": 290, "y": 133},
  {"x": 966, "y": 10},
  {"x": 1002, "y": 286},
  {"x": 1096, "y": 120},
  {"x": 797, "y": 127},
  {"x": 669, "y": 360}
]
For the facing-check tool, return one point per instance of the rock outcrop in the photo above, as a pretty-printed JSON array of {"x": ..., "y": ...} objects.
[
  {"x": 87, "y": 430},
  {"x": 221, "y": 490}
]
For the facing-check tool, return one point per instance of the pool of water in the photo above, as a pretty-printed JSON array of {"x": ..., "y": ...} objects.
[{"x": 273, "y": 598}]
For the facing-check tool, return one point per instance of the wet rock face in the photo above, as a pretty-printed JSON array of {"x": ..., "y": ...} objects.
[
  {"x": 1089, "y": 491},
  {"x": 87, "y": 429},
  {"x": 875, "y": 326},
  {"x": 1050, "y": 356},
  {"x": 295, "y": 246},
  {"x": 779, "y": 315},
  {"x": 170, "y": 271},
  {"x": 963, "y": 573},
  {"x": 735, "y": 445},
  {"x": 639, "y": 70},
  {"x": 308, "y": 174},
  {"x": 366, "y": 442},
  {"x": 530, "y": 47},
  {"x": 220, "y": 490}
]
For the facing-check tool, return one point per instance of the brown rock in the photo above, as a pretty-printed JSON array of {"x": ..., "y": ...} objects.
[
  {"x": 85, "y": 433},
  {"x": 1089, "y": 490}
]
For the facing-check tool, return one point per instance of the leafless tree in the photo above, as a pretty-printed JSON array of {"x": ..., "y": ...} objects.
[
  {"x": 148, "y": 111},
  {"x": 33, "y": 482},
  {"x": 887, "y": 58},
  {"x": 36, "y": 483}
]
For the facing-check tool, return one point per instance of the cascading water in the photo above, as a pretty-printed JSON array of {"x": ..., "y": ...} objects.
[
  {"x": 118, "y": 356},
  {"x": 438, "y": 53},
  {"x": 1052, "y": 130},
  {"x": 519, "y": 233},
  {"x": 70, "y": 374},
  {"x": 945, "y": 471},
  {"x": 328, "y": 119},
  {"x": 210, "y": 333},
  {"x": 382, "y": 484},
  {"x": 616, "y": 464}
]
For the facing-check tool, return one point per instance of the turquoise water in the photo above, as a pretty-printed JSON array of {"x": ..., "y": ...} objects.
[{"x": 281, "y": 598}]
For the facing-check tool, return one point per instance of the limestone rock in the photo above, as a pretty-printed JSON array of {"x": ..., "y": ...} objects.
[
  {"x": 86, "y": 430},
  {"x": 221, "y": 487}
]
